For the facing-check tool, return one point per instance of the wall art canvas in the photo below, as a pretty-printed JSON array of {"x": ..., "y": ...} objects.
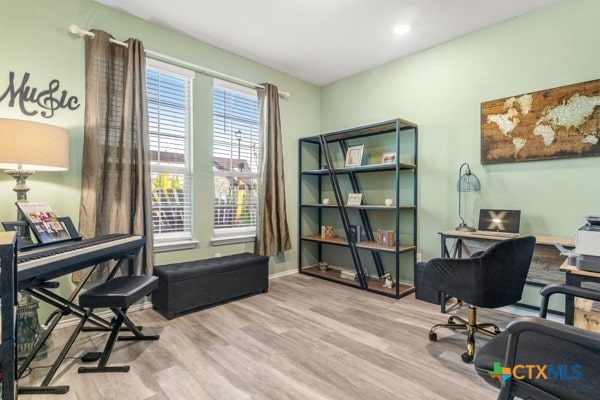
[{"x": 554, "y": 123}]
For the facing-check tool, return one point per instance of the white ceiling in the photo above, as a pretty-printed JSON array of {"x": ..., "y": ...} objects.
[{"x": 321, "y": 41}]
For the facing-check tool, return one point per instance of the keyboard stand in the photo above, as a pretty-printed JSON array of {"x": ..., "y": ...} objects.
[{"x": 65, "y": 306}]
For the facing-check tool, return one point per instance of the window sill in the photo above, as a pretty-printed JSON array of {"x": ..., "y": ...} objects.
[
  {"x": 175, "y": 246},
  {"x": 221, "y": 241}
]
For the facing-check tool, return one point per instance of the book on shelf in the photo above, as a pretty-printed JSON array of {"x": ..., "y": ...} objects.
[
  {"x": 43, "y": 222},
  {"x": 354, "y": 233},
  {"x": 385, "y": 238},
  {"x": 348, "y": 274}
]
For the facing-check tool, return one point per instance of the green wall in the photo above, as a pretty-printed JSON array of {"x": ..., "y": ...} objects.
[
  {"x": 441, "y": 90},
  {"x": 40, "y": 43}
]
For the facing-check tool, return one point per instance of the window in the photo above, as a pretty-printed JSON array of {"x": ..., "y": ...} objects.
[
  {"x": 235, "y": 162},
  {"x": 169, "y": 94}
]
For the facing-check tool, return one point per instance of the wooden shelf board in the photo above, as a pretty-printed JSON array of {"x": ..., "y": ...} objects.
[
  {"x": 373, "y": 129},
  {"x": 335, "y": 240},
  {"x": 374, "y": 246},
  {"x": 366, "y": 245},
  {"x": 381, "y": 207},
  {"x": 361, "y": 207},
  {"x": 374, "y": 284},
  {"x": 330, "y": 274},
  {"x": 361, "y": 168},
  {"x": 374, "y": 167},
  {"x": 315, "y": 172},
  {"x": 319, "y": 205}
]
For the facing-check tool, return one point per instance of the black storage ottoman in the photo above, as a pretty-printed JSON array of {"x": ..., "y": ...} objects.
[
  {"x": 195, "y": 284},
  {"x": 422, "y": 292}
]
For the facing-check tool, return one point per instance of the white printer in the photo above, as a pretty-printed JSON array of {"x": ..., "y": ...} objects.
[{"x": 586, "y": 256}]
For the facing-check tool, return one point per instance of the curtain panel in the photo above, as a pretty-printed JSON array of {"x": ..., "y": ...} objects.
[
  {"x": 115, "y": 187},
  {"x": 272, "y": 235}
]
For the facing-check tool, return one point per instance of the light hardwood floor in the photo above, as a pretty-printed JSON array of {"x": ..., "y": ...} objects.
[{"x": 304, "y": 339}]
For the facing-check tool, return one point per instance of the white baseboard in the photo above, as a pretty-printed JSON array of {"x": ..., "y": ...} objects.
[{"x": 283, "y": 273}]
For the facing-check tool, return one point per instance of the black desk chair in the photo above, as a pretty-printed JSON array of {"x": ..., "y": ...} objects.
[
  {"x": 568, "y": 357},
  {"x": 494, "y": 278}
]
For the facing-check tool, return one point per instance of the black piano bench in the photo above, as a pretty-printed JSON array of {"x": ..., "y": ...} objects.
[
  {"x": 189, "y": 286},
  {"x": 118, "y": 294}
]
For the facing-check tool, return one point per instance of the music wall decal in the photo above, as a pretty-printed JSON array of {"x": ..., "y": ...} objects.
[{"x": 28, "y": 97}]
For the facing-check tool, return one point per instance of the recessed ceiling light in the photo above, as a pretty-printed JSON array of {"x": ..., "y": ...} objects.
[{"x": 400, "y": 29}]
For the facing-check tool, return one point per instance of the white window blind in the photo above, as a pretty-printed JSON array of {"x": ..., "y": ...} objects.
[
  {"x": 169, "y": 105},
  {"x": 235, "y": 160}
]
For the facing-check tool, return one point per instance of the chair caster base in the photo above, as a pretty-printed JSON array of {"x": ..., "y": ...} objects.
[
  {"x": 466, "y": 357},
  {"x": 433, "y": 336}
]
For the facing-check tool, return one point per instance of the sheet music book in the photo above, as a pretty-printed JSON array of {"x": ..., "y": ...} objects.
[{"x": 43, "y": 222}]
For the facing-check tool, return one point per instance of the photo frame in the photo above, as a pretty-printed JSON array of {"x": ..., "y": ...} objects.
[
  {"x": 354, "y": 199},
  {"x": 354, "y": 233},
  {"x": 354, "y": 156},
  {"x": 388, "y": 158}
]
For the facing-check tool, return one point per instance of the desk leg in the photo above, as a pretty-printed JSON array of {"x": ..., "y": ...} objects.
[
  {"x": 571, "y": 280},
  {"x": 444, "y": 249}
]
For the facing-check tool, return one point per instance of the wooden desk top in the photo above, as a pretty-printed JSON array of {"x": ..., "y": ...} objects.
[
  {"x": 539, "y": 239},
  {"x": 571, "y": 269}
]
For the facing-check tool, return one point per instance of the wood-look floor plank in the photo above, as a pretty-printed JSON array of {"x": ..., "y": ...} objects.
[{"x": 304, "y": 339}]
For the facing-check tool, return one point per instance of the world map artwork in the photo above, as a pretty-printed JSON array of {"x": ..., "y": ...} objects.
[{"x": 553, "y": 123}]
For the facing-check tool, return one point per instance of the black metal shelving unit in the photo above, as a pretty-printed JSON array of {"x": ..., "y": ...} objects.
[{"x": 322, "y": 170}]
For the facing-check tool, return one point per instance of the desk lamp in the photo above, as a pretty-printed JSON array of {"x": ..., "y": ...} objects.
[
  {"x": 467, "y": 182},
  {"x": 26, "y": 147}
]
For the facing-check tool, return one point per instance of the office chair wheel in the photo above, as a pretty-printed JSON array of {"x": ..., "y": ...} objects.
[
  {"x": 466, "y": 358},
  {"x": 496, "y": 330},
  {"x": 433, "y": 336},
  {"x": 451, "y": 320}
]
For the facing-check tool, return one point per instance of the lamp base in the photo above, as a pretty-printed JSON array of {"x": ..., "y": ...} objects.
[
  {"x": 20, "y": 176},
  {"x": 464, "y": 228},
  {"x": 28, "y": 328}
]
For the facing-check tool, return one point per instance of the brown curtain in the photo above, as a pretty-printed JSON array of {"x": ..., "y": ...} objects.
[
  {"x": 115, "y": 187},
  {"x": 272, "y": 232}
]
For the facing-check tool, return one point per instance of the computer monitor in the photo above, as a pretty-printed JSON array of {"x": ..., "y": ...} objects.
[{"x": 506, "y": 221}]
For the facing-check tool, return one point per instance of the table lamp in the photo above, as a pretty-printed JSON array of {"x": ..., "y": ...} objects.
[
  {"x": 29, "y": 146},
  {"x": 467, "y": 182},
  {"x": 26, "y": 147}
]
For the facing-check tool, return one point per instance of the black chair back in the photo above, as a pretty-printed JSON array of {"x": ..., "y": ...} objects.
[
  {"x": 504, "y": 269},
  {"x": 492, "y": 279}
]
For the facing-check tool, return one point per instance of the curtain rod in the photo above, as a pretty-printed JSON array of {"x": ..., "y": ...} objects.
[{"x": 198, "y": 68}]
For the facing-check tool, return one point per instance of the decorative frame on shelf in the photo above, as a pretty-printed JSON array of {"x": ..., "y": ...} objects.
[
  {"x": 354, "y": 199},
  {"x": 388, "y": 158},
  {"x": 354, "y": 156}
]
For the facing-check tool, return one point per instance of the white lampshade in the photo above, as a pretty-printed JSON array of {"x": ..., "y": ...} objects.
[{"x": 33, "y": 146}]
